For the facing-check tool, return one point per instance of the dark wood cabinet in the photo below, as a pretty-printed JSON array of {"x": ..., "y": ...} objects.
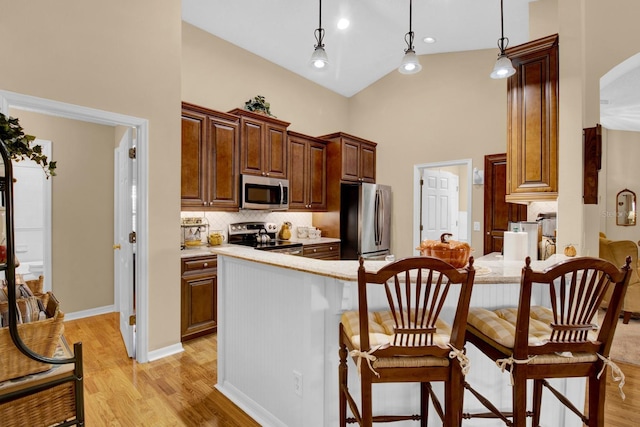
[
  {"x": 349, "y": 159},
  {"x": 354, "y": 157},
  {"x": 307, "y": 173},
  {"x": 199, "y": 286},
  {"x": 210, "y": 159},
  {"x": 326, "y": 251},
  {"x": 263, "y": 144},
  {"x": 532, "y": 105}
]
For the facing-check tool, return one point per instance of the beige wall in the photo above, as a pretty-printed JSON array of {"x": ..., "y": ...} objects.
[
  {"x": 222, "y": 76},
  {"x": 123, "y": 57},
  {"x": 621, "y": 164},
  {"x": 451, "y": 110},
  {"x": 82, "y": 209}
]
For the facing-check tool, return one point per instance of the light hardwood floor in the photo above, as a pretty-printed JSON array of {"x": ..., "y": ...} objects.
[
  {"x": 178, "y": 390},
  {"x": 174, "y": 391}
]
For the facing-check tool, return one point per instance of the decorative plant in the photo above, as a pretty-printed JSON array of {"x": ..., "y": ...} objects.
[
  {"x": 19, "y": 145},
  {"x": 258, "y": 103}
]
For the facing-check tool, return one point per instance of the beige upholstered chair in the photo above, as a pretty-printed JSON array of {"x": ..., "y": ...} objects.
[
  {"x": 406, "y": 340},
  {"x": 557, "y": 340},
  {"x": 616, "y": 252}
]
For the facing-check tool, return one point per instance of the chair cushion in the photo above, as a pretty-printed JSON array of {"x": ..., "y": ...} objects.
[
  {"x": 381, "y": 326},
  {"x": 381, "y": 329},
  {"x": 499, "y": 326}
]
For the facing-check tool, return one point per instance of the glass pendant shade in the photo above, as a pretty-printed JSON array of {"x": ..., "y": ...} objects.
[
  {"x": 503, "y": 68},
  {"x": 319, "y": 58},
  {"x": 410, "y": 63}
]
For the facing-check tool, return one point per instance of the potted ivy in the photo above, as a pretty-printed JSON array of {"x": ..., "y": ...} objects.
[
  {"x": 19, "y": 146},
  {"x": 258, "y": 104}
]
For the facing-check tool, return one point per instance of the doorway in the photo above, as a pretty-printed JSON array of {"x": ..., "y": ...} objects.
[
  {"x": 442, "y": 200},
  {"x": 10, "y": 100}
]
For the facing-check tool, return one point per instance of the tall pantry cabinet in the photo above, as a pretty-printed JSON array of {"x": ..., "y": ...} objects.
[{"x": 532, "y": 135}]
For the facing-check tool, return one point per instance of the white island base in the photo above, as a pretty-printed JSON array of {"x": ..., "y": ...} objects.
[{"x": 278, "y": 342}]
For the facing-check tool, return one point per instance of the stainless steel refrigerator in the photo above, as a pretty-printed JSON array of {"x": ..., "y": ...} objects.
[{"x": 365, "y": 220}]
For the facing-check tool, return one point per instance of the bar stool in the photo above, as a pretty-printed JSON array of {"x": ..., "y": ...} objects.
[
  {"x": 406, "y": 340},
  {"x": 561, "y": 340}
]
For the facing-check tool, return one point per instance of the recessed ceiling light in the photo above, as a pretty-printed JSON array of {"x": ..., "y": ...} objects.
[
  {"x": 343, "y": 23},
  {"x": 429, "y": 40}
]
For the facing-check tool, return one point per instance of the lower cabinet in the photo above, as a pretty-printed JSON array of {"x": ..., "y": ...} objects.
[
  {"x": 322, "y": 251},
  {"x": 199, "y": 286}
]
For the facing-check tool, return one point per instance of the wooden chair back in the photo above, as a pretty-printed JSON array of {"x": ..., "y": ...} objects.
[
  {"x": 416, "y": 289},
  {"x": 575, "y": 289}
]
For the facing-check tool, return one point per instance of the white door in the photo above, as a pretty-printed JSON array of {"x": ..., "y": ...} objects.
[
  {"x": 439, "y": 204},
  {"x": 125, "y": 250},
  {"x": 32, "y": 218}
]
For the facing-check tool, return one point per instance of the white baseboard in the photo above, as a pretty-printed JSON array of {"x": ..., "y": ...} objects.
[
  {"x": 165, "y": 351},
  {"x": 152, "y": 355},
  {"x": 88, "y": 313}
]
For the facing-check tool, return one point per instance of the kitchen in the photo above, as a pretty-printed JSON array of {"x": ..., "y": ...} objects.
[{"x": 450, "y": 77}]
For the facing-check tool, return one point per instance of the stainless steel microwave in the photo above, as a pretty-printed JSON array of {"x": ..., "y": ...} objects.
[{"x": 261, "y": 192}]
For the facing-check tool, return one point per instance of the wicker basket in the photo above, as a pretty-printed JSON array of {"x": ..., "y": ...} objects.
[{"x": 41, "y": 337}]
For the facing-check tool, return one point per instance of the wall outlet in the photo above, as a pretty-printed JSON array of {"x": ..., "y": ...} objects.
[
  {"x": 476, "y": 226},
  {"x": 297, "y": 383}
]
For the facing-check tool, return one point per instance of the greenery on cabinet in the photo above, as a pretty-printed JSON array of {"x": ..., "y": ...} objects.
[
  {"x": 19, "y": 145},
  {"x": 258, "y": 104}
]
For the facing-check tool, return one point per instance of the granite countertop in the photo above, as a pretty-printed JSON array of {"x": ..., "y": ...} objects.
[
  {"x": 207, "y": 250},
  {"x": 490, "y": 269}
]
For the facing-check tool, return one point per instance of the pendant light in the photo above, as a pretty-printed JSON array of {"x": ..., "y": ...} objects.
[
  {"x": 503, "y": 67},
  {"x": 410, "y": 63},
  {"x": 319, "y": 59}
]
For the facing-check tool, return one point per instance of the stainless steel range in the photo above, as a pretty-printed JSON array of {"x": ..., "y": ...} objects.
[{"x": 262, "y": 236}]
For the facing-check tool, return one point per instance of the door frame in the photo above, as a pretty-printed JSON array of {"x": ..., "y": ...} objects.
[
  {"x": 417, "y": 173},
  {"x": 61, "y": 109}
]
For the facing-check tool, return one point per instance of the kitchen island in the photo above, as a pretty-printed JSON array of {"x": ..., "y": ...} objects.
[{"x": 278, "y": 339}]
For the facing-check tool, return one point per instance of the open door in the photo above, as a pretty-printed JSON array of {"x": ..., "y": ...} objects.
[
  {"x": 439, "y": 204},
  {"x": 125, "y": 238}
]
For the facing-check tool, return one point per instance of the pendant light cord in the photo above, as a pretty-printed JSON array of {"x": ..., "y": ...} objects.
[
  {"x": 501, "y": 43},
  {"x": 410, "y": 33},
  {"x": 319, "y": 33}
]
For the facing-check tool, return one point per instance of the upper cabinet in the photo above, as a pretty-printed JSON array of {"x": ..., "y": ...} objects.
[
  {"x": 307, "y": 173},
  {"x": 532, "y": 105},
  {"x": 263, "y": 144},
  {"x": 354, "y": 157},
  {"x": 210, "y": 159}
]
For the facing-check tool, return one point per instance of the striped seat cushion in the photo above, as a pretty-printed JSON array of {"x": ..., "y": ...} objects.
[
  {"x": 499, "y": 326},
  {"x": 381, "y": 332}
]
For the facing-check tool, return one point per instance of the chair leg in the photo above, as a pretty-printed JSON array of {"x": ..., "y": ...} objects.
[
  {"x": 626, "y": 316},
  {"x": 342, "y": 381},
  {"x": 424, "y": 404},
  {"x": 366, "y": 408},
  {"x": 596, "y": 395},
  {"x": 537, "y": 402},
  {"x": 454, "y": 399},
  {"x": 519, "y": 398}
]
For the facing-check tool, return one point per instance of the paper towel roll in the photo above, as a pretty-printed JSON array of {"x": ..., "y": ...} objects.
[{"x": 515, "y": 246}]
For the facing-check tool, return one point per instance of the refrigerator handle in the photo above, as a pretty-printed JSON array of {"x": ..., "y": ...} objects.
[{"x": 378, "y": 222}]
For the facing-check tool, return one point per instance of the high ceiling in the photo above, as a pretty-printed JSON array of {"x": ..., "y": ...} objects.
[{"x": 282, "y": 31}]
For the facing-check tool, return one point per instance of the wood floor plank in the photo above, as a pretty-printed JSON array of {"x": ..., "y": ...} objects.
[
  {"x": 179, "y": 390},
  {"x": 174, "y": 391}
]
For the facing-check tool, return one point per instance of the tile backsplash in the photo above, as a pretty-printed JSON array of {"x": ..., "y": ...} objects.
[{"x": 221, "y": 220}]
